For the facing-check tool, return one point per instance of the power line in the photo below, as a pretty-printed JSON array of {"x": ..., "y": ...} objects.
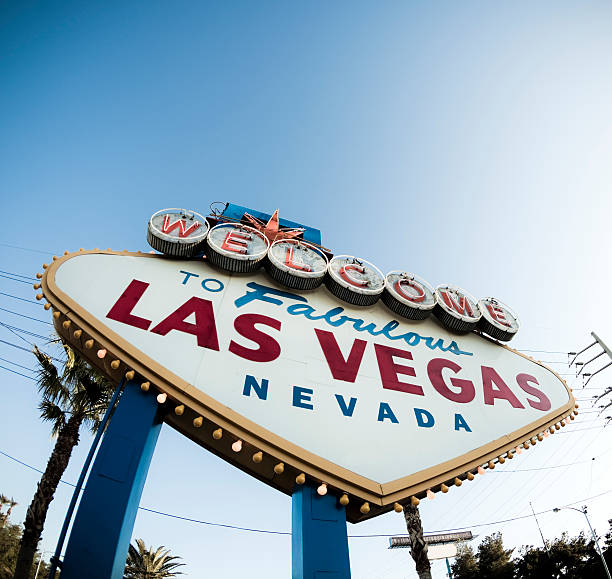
[
  {"x": 16, "y": 346},
  {"x": 18, "y": 365},
  {"x": 28, "y": 317},
  {"x": 20, "y": 374},
  {"x": 22, "y": 299},
  {"x": 16, "y": 334},
  {"x": 272, "y": 532},
  {"x": 26, "y": 332},
  {"x": 25, "y": 248},
  {"x": 15, "y": 279},
  {"x": 542, "y": 351},
  {"x": 28, "y": 350},
  {"x": 28, "y": 277},
  {"x": 581, "y": 429},
  {"x": 544, "y": 467}
]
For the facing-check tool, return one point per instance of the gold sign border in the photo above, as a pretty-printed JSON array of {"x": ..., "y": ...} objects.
[{"x": 263, "y": 452}]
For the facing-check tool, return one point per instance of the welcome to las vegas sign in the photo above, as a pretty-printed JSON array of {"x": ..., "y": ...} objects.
[{"x": 362, "y": 393}]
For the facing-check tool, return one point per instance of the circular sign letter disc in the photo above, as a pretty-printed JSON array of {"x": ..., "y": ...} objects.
[
  {"x": 236, "y": 247},
  {"x": 498, "y": 320},
  {"x": 177, "y": 232},
  {"x": 296, "y": 264},
  {"x": 354, "y": 280},
  {"x": 456, "y": 308},
  {"x": 408, "y": 295}
]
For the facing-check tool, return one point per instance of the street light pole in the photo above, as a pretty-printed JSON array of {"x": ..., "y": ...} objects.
[
  {"x": 584, "y": 512},
  {"x": 39, "y": 562}
]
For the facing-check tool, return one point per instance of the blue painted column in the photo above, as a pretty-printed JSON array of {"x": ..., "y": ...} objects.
[
  {"x": 102, "y": 529},
  {"x": 319, "y": 543}
]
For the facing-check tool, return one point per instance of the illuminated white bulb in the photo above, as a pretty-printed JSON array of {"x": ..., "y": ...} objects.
[
  {"x": 101, "y": 353},
  {"x": 546, "y": 434},
  {"x": 481, "y": 470},
  {"x": 322, "y": 490},
  {"x": 161, "y": 398},
  {"x": 519, "y": 450},
  {"x": 430, "y": 495},
  {"x": 237, "y": 446}
]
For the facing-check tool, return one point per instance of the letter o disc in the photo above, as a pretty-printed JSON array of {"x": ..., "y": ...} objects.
[
  {"x": 498, "y": 320},
  {"x": 296, "y": 264},
  {"x": 456, "y": 309},
  {"x": 408, "y": 295},
  {"x": 354, "y": 280},
  {"x": 177, "y": 232},
  {"x": 236, "y": 247}
]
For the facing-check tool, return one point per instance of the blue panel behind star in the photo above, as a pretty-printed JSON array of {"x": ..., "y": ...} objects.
[{"x": 237, "y": 211}]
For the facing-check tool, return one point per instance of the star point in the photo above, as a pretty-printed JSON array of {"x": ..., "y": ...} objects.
[{"x": 272, "y": 229}]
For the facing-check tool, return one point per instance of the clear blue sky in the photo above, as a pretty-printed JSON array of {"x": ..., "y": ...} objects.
[{"x": 467, "y": 142}]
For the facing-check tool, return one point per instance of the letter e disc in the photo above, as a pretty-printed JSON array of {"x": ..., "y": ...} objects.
[
  {"x": 236, "y": 247},
  {"x": 498, "y": 320}
]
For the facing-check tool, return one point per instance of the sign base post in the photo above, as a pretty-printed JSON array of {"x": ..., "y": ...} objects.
[
  {"x": 102, "y": 529},
  {"x": 319, "y": 542}
]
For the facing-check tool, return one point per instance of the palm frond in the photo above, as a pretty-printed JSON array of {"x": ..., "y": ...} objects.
[
  {"x": 50, "y": 384},
  {"x": 51, "y": 412},
  {"x": 142, "y": 562}
]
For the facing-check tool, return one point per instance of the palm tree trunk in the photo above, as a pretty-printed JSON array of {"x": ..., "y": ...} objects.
[
  {"x": 418, "y": 546},
  {"x": 36, "y": 514}
]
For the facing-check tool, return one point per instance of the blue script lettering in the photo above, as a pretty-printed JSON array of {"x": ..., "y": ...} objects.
[{"x": 335, "y": 318}]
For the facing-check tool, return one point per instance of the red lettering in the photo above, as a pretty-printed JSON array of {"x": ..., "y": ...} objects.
[
  {"x": 341, "y": 368},
  {"x": 497, "y": 314},
  {"x": 292, "y": 264},
  {"x": 236, "y": 241},
  {"x": 466, "y": 392},
  {"x": 268, "y": 350},
  {"x": 389, "y": 369},
  {"x": 420, "y": 292},
  {"x": 168, "y": 227},
  {"x": 122, "y": 310},
  {"x": 490, "y": 379},
  {"x": 204, "y": 328},
  {"x": 463, "y": 307},
  {"x": 347, "y": 277},
  {"x": 543, "y": 402}
]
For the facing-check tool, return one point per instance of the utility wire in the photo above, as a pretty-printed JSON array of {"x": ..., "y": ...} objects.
[
  {"x": 28, "y": 277},
  {"x": 29, "y": 317},
  {"x": 16, "y": 279},
  {"x": 26, "y": 248},
  {"x": 20, "y": 374},
  {"x": 271, "y": 532},
  {"x": 21, "y": 330},
  {"x": 18, "y": 365},
  {"x": 22, "y": 299},
  {"x": 29, "y": 350}
]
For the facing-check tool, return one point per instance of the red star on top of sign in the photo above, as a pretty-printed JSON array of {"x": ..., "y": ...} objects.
[{"x": 272, "y": 229}]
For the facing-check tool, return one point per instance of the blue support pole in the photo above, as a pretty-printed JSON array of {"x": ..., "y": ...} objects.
[
  {"x": 55, "y": 560},
  {"x": 319, "y": 543},
  {"x": 102, "y": 529}
]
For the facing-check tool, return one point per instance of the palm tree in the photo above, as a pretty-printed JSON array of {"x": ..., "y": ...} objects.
[
  {"x": 75, "y": 396},
  {"x": 418, "y": 546},
  {"x": 143, "y": 563},
  {"x": 11, "y": 503}
]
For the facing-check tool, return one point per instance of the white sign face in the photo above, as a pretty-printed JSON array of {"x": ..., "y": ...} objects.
[
  {"x": 435, "y": 552},
  {"x": 366, "y": 397}
]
